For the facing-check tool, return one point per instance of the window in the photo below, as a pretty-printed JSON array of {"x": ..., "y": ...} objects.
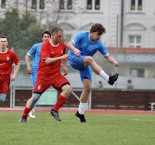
[
  {"x": 136, "y": 5},
  {"x": 137, "y": 72},
  {"x": 65, "y": 5},
  {"x": 93, "y": 4},
  {"x": 89, "y": 4},
  {"x": 34, "y": 4},
  {"x": 135, "y": 41},
  {"x": 42, "y": 4},
  {"x": 97, "y": 4},
  {"x": 3, "y": 4},
  {"x": 69, "y": 4},
  {"x": 61, "y": 5}
]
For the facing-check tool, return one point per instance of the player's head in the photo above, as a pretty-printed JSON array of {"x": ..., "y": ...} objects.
[
  {"x": 96, "y": 31},
  {"x": 46, "y": 35},
  {"x": 56, "y": 35},
  {"x": 3, "y": 43}
]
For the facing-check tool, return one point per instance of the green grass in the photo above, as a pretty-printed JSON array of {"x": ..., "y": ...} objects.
[{"x": 100, "y": 129}]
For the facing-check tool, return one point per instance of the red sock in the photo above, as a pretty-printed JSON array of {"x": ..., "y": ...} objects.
[
  {"x": 26, "y": 112},
  {"x": 59, "y": 103}
]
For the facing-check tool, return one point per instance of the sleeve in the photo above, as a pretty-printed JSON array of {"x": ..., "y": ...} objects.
[
  {"x": 15, "y": 58},
  {"x": 32, "y": 51},
  {"x": 45, "y": 51},
  {"x": 77, "y": 37},
  {"x": 102, "y": 49}
]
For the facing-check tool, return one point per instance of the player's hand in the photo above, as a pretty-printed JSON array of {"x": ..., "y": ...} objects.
[
  {"x": 116, "y": 64},
  {"x": 29, "y": 70},
  {"x": 77, "y": 52},
  {"x": 13, "y": 77},
  {"x": 65, "y": 71},
  {"x": 65, "y": 56}
]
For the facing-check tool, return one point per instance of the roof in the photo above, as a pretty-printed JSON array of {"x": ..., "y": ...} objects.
[{"x": 133, "y": 55}]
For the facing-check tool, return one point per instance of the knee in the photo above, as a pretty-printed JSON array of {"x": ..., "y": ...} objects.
[
  {"x": 36, "y": 97},
  {"x": 89, "y": 59},
  {"x": 67, "y": 90},
  {"x": 3, "y": 96},
  {"x": 87, "y": 88}
]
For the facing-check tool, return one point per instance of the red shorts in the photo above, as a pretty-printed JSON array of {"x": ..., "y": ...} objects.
[
  {"x": 43, "y": 82},
  {"x": 4, "y": 83}
]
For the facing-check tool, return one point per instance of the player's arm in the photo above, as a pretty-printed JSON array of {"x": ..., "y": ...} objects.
[
  {"x": 16, "y": 70},
  {"x": 70, "y": 46},
  {"x": 111, "y": 60},
  {"x": 52, "y": 60},
  {"x": 28, "y": 63},
  {"x": 64, "y": 64}
]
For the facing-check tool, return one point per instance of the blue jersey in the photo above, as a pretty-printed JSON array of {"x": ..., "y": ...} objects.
[
  {"x": 86, "y": 46},
  {"x": 35, "y": 53}
]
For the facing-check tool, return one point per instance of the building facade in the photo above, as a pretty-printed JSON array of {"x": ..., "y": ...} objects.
[{"x": 128, "y": 23}]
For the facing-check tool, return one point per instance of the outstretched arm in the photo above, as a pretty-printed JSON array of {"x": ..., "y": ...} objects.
[
  {"x": 112, "y": 60},
  {"x": 52, "y": 60},
  {"x": 70, "y": 46}
]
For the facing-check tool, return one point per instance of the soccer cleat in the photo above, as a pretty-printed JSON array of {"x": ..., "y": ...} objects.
[
  {"x": 31, "y": 115},
  {"x": 81, "y": 116},
  {"x": 55, "y": 114},
  {"x": 113, "y": 78},
  {"x": 22, "y": 120}
]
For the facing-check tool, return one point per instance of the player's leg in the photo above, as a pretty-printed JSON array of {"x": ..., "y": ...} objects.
[
  {"x": 63, "y": 86},
  {"x": 33, "y": 79},
  {"x": 86, "y": 77},
  {"x": 29, "y": 106},
  {"x": 88, "y": 60},
  {"x": 4, "y": 86},
  {"x": 38, "y": 90}
]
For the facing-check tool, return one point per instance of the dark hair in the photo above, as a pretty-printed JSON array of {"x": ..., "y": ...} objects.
[
  {"x": 3, "y": 37},
  {"x": 98, "y": 28},
  {"x": 46, "y": 32},
  {"x": 55, "y": 30}
]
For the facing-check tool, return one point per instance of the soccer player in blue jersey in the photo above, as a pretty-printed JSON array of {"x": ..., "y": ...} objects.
[
  {"x": 35, "y": 53},
  {"x": 82, "y": 47}
]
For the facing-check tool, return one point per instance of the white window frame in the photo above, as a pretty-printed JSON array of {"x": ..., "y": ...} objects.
[
  {"x": 37, "y": 5},
  {"x": 93, "y": 6},
  {"x": 135, "y": 44},
  {"x": 66, "y": 7},
  {"x": 136, "y": 72},
  {"x": 136, "y": 6}
]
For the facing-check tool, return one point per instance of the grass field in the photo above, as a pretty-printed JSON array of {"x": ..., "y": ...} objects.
[{"x": 100, "y": 129}]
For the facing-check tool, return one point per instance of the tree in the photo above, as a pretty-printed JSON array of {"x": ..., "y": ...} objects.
[{"x": 22, "y": 32}]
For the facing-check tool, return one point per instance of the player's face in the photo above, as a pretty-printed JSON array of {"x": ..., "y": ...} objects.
[
  {"x": 57, "y": 38},
  {"x": 3, "y": 44},
  {"x": 95, "y": 36},
  {"x": 45, "y": 37}
]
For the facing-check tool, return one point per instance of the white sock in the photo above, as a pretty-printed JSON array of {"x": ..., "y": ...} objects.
[
  {"x": 104, "y": 75},
  {"x": 82, "y": 107}
]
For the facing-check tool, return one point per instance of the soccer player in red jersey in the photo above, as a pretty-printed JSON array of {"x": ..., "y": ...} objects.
[
  {"x": 52, "y": 56},
  {"x": 7, "y": 58}
]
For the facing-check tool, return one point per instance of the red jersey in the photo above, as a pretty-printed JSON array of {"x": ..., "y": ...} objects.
[
  {"x": 49, "y": 51},
  {"x": 6, "y": 60}
]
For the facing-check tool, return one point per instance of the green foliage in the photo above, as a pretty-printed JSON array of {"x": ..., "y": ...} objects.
[{"x": 22, "y": 31}]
